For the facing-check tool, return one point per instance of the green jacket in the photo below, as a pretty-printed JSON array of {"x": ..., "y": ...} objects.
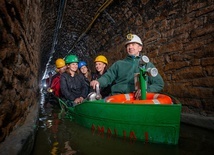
[{"x": 122, "y": 73}]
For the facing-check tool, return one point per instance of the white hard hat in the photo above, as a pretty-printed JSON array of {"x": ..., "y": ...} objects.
[{"x": 133, "y": 38}]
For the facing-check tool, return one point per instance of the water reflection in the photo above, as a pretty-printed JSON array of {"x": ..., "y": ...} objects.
[{"x": 62, "y": 137}]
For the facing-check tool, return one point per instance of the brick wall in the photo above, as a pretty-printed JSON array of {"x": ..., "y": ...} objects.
[
  {"x": 19, "y": 62},
  {"x": 178, "y": 39}
]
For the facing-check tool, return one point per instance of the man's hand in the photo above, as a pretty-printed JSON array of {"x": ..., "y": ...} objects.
[
  {"x": 137, "y": 94},
  {"x": 94, "y": 83}
]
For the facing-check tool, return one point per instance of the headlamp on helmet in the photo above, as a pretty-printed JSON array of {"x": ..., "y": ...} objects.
[{"x": 133, "y": 38}]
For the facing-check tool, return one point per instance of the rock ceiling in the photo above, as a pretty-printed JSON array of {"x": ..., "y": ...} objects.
[
  {"x": 86, "y": 28},
  {"x": 67, "y": 23}
]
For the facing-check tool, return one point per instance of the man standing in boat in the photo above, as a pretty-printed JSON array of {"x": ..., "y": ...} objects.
[{"x": 122, "y": 72}]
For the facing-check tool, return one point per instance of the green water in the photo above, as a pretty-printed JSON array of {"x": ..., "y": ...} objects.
[{"x": 62, "y": 137}]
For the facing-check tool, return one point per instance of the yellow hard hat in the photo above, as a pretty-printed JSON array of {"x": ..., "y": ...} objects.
[
  {"x": 60, "y": 63},
  {"x": 101, "y": 58}
]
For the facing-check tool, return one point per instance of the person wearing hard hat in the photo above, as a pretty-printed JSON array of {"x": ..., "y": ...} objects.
[
  {"x": 72, "y": 84},
  {"x": 122, "y": 72},
  {"x": 101, "y": 64},
  {"x": 86, "y": 72},
  {"x": 55, "y": 83}
]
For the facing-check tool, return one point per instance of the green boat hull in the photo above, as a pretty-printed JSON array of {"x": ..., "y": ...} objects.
[{"x": 144, "y": 122}]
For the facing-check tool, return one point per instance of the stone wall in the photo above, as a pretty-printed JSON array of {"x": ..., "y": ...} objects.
[{"x": 19, "y": 62}]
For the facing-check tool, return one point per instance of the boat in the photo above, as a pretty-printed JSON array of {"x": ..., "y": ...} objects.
[
  {"x": 143, "y": 120},
  {"x": 152, "y": 123}
]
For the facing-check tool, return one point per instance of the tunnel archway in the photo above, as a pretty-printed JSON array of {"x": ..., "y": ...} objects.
[{"x": 177, "y": 37}]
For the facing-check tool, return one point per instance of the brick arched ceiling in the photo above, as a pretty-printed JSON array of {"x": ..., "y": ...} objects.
[
  {"x": 66, "y": 24},
  {"x": 86, "y": 28}
]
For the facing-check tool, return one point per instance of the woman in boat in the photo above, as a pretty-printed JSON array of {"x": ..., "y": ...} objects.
[
  {"x": 86, "y": 72},
  {"x": 101, "y": 63},
  {"x": 72, "y": 84},
  {"x": 55, "y": 83},
  {"x": 123, "y": 71}
]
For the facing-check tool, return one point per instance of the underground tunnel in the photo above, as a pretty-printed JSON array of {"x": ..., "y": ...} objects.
[{"x": 177, "y": 36}]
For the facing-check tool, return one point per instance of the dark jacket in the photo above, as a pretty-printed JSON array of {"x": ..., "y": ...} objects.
[
  {"x": 72, "y": 87},
  {"x": 87, "y": 83}
]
